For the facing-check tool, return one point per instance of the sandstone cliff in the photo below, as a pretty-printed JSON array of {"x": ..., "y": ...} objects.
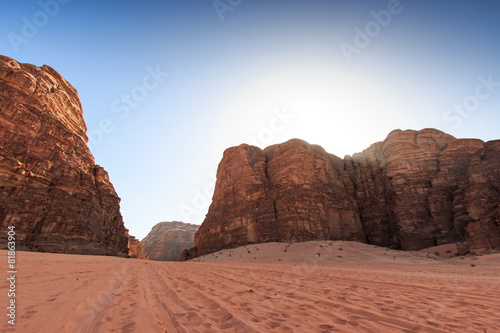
[
  {"x": 50, "y": 188},
  {"x": 167, "y": 240},
  {"x": 416, "y": 189},
  {"x": 478, "y": 199},
  {"x": 135, "y": 249}
]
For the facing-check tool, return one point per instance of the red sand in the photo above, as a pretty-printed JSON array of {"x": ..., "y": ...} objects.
[{"x": 310, "y": 287}]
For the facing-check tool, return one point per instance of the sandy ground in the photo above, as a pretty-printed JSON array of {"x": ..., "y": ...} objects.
[{"x": 276, "y": 287}]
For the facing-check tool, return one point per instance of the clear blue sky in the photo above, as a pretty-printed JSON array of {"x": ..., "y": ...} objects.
[{"x": 167, "y": 86}]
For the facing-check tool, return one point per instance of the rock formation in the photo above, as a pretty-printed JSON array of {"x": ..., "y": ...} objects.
[
  {"x": 135, "y": 249},
  {"x": 478, "y": 199},
  {"x": 189, "y": 254},
  {"x": 167, "y": 240},
  {"x": 50, "y": 188},
  {"x": 416, "y": 189}
]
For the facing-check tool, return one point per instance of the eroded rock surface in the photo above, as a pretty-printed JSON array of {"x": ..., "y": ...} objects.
[
  {"x": 480, "y": 191},
  {"x": 135, "y": 248},
  {"x": 51, "y": 190},
  {"x": 167, "y": 240},
  {"x": 414, "y": 190}
]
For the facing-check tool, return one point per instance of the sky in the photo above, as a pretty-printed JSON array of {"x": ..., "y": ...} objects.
[{"x": 167, "y": 86}]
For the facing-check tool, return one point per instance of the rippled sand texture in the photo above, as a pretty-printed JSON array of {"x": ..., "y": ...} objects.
[{"x": 307, "y": 287}]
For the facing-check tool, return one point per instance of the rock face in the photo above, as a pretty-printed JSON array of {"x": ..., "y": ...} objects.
[
  {"x": 411, "y": 191},
  {"x": 189, "y": 254},
  {"x": 478, "y": 199},
  {"x": 135, "y": 249},
  {"x": 292, "y": 191},
  {"x": 167, "y": 240},
  {"x": 408, "y": 187},
  {"x": 50, "y": 188}
]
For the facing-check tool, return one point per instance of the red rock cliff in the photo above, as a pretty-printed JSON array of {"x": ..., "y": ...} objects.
[
  {"x": 166, "y": 240},
  {"x": 415, "y": 189},
  {"x": 136, "y": 249},
  {"x": 50, "y": 188}
]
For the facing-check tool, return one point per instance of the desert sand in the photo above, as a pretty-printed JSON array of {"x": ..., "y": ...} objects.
[{"x": 274, "y": 287}]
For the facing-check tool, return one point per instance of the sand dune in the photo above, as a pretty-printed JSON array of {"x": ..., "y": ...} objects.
[{"x": 310, "y": 287}]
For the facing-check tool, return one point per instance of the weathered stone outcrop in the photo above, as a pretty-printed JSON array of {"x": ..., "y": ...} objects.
[
  {"x": 416, "y": 189},
  {"x": 480, "y": 191},
  {"x": 50, "y": 188},
  {"x": 405, "y": 187},
  {"x": 293, "y": 191},
  {"x": 135, "y": 249},
  {"x": 167, "y": 240}
]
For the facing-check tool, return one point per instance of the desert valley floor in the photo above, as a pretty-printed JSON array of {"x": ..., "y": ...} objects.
[{"x": 274, "y": 287}]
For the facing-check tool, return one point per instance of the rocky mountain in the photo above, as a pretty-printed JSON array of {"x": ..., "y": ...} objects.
[
  {"x": 416, "y": 189},
  {"x": 167, "y": 240},
  {"x": 135, "y": 249},
  {"x": 51, "y": 190}
]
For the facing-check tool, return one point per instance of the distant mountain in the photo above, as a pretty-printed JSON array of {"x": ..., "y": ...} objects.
[
  {"x": 414, "y": 190},
  {"x": 167, "y": 240}
]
